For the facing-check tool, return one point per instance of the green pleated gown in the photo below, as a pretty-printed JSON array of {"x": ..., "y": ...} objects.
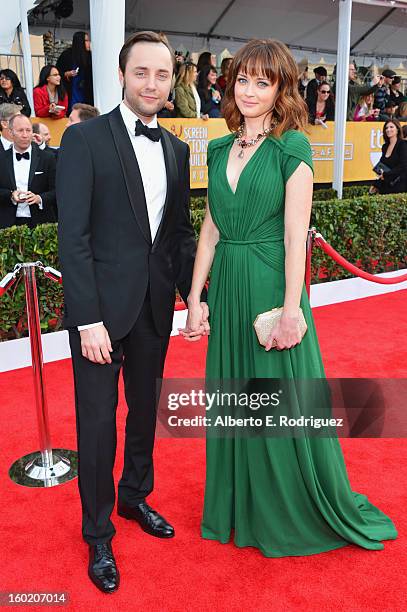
[{"x": 285, "y": 496}]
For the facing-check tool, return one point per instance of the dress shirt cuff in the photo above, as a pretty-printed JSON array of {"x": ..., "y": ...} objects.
[
  {"x": 89, "y": 326},
  {"x": 40, "y": 205}
]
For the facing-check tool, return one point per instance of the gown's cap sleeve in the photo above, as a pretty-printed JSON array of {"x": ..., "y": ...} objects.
[
  {"x": 296, "y": 149},
  {"x": 218, "y": 143}
]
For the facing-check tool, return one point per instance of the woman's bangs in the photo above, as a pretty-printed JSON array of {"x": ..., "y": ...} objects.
[{"x": 259, "y": 64}]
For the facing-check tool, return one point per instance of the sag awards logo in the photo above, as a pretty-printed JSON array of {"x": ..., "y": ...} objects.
[
  {"x": 324, "y": 151},
  {"x": 197, "y": 139}
]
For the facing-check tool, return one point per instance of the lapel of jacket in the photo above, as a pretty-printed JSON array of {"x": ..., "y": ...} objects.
[
  {"x": 8, "y": 156},
  {"x": 131, "y": 172},
  {"x": 172, "y": 180},
  {"x": 35, "y": 158}
]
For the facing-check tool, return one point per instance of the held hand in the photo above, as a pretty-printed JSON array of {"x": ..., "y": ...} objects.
[
  {"x": 197, "y": 324},
  {"x": 205, "y": 318},
  {"x": 96, "y": 345},
  {"x": 32, "y": 198},
  {"x": 52, "y": 108},
  {"x": 285, "y": 335}
]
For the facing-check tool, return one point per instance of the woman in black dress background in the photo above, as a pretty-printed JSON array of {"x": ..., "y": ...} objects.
[
  {"x": 394, "y": 157},
  {"x": 75, "y": 67},
  {"x": 209, "y": 93},
  {"x": 323, "y": 107},
  {"x": 11, "y": 91}
]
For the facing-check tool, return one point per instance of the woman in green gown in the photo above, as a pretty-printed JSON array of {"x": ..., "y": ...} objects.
[{"x": 283, "y": 495}]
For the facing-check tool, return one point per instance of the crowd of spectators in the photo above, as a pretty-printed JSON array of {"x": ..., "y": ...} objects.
[
  {"x": 198, "y": 88},
  {"x": 379, "y": 100},
  {"x": 64, "y": 89}
]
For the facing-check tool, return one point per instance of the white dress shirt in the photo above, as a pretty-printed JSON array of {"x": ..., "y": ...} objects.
[
  {"x": 6, "y": 143},
  {"x": 150, "y": 159},
  {"x": 21, "y": 174}
]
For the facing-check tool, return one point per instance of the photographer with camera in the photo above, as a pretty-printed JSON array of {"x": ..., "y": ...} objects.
[{"x": 355, "y": 91}]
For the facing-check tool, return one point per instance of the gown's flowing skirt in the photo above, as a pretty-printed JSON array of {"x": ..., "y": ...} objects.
[{"x": 285, "y": 496}]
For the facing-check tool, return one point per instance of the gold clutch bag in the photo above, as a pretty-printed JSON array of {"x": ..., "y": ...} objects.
[{"x": 266, "y": 321}]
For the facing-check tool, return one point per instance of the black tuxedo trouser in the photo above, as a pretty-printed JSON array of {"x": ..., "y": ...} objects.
[{"x": 142, "y": 353}]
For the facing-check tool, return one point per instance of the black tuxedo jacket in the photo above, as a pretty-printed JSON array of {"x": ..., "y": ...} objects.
[
  {"x": 107, "y": 257},
  {"x": 41, "y": 181}
]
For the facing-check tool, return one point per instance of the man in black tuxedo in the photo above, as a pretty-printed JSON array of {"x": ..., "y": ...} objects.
[
  {"x": 27, "y": 179},
  {"x": 125, "y": 241}
]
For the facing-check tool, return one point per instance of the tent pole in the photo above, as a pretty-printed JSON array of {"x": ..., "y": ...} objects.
[
  {"x": 341, "y": 92},
  {"x": 107, "y": 35},
  {"x": 28, "y": 69}
]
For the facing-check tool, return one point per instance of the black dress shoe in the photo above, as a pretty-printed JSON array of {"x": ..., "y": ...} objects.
[
  {"x": 102, "y": 568},
  {"x": 149, "y": 520}
]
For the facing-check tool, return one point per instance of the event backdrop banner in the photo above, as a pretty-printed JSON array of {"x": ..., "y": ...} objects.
[{"x": 362, "y": 148}]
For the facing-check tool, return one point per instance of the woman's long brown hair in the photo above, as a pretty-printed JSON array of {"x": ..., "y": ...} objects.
[{"x": 273, "y": 60}]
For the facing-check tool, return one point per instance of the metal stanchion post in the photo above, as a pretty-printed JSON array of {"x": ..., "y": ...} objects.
[
  {"x": 47, "y": 467},
  {"x": 310, "y": 240}
]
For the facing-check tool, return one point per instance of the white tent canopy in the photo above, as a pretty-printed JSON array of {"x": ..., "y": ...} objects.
[
  {"x": 10, "y": 20},
  {"x": 309, "y": 27}
]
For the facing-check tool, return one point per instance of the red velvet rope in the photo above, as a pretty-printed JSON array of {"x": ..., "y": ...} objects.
[{"x": 320, "y": 241}]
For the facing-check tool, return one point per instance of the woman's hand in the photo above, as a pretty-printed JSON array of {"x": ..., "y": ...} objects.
[
  {"x": 52, "y": 109},
  {"x": 197, "y": 324},
  {"x": 285, "y": 335},
  {"x": 69, "y": 74}
]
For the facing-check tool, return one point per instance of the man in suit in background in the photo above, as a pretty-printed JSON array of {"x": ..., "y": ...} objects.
[
  {"x": 27, "y": 179},
  {"x": 125, "y": 242},
  {"x": 6, "y": 112},
  {"x": 42, "y": 136},
  {"x": 82, "y": 112}
]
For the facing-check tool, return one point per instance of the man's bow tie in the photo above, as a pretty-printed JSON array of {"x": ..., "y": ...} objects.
[
  {"x": 153, "y": 134},
  {"x": 25, "y": 155}
]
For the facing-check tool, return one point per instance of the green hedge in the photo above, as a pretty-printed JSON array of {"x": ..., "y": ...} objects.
[
  {"x": 351, "y": 191},
  {"x": 19, "y": 244},
  {"x": 369, "y": 231}
]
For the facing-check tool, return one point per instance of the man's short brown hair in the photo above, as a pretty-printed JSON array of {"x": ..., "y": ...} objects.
[
  {"x": 138, "y": 37},
  {"x": 86, "y": 111}
]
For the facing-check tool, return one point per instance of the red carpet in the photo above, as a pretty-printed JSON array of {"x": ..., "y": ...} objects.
[{"x": 42, "y": 550}]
